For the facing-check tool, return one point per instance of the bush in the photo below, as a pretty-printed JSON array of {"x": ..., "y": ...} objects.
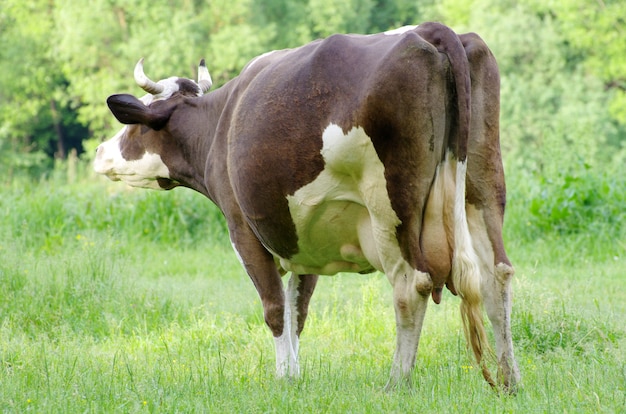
[
  {"x": 577, "y": 214},
  {"x": 579, "y": 202}
]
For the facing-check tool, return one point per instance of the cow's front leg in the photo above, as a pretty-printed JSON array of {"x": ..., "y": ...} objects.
[
  {"x": 278, "y": 305},
  {"x": 297, "y": 297},
  {"x": 410, "y": 297}
]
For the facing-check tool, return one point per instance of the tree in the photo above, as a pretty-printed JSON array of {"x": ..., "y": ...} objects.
[
  {"x": 98, "y": 51},
  {"x": 391, "y": 14},
  {"x": 597, "y": 31},
  {"x": 35, "y": 115},
  {"x": 330, "y": 16}
]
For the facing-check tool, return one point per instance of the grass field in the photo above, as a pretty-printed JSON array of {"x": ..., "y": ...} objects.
[{"x": 114, "y": 300}]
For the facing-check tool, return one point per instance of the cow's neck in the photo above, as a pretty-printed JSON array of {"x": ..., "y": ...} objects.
[{"x": 204, "y": 153}]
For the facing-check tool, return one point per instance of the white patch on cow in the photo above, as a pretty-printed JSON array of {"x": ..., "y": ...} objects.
[
  {"x": 399, "y": 30},
  {"x": 256, "y": 59},
  {"x": 286, "y": 361},
  {"x": 480, "y": 240},
  {"x": 333, "y": 213},
  {"x": 237, "y": 253},
  {"x": 343, "y": 218},
  {"x": 410, "y": 308},
  {"x": 291, "y": 299},
  {"x": 170, "y": 87},
  {"x": 141, "y": 173}
]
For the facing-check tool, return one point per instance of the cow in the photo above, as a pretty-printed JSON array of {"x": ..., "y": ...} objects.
[{"x": 353, "y": 153}]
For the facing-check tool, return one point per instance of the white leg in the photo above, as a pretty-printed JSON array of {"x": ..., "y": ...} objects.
[
  {"x": 410, "y": 302},
  {"x": 287, "y": 344}
]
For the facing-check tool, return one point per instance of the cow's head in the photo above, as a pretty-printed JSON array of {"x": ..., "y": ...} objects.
[{"x": 136, "y": 153}]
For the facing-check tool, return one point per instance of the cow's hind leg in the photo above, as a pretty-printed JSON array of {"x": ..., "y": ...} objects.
[
  {"x": 496, "y": 272},
  {"x": 498, "y": 303},
  {"x": 297, "y": 296},
  {"x": 411, "y": 287},
  {"x": 486, "y": 198},
  {"x": 498, "y": 308},
  {"x": 410, "y": 297},
  {"x": 389, "y": 227}
]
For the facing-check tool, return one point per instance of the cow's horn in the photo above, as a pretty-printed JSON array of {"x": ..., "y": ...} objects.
[
  {"x": 144, "y": 82},
  {"x": 204, "y": 78}
]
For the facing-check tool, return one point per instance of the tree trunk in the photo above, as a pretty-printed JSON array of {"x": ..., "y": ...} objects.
[{"x": 56, "y": 121}]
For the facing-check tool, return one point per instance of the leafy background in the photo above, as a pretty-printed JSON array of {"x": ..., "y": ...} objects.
[{"x": 563, "y": 64}]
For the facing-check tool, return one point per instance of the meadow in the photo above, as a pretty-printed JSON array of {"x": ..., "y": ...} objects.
[{"x": 120, "y": 300}]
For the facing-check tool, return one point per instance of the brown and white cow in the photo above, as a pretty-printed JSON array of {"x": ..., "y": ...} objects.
[{"x": 349, "y": 154}]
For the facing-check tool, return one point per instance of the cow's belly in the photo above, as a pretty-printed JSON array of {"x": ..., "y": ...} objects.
[
  {"x": 333, "y": 236},
  {"x": 331, "y": 215}
]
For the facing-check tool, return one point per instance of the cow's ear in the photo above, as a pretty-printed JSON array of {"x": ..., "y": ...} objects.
[{"x": 130, "y": 110}]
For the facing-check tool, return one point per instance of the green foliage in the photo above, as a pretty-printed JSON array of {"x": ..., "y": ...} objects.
[
  {"x": 595, "y": 31},
  {"x": 559, "y": 89},
  {"x": 391, "y": 14},
  {"x": 575, "y": 214},
  {"x": 329, "y": 16},
  {"x": 34, "y": 112},
  {"x": 581, "y": 202},
  {"x": 584, "y": 202}
]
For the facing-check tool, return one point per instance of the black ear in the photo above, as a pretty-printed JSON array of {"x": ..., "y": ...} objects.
[{"x": 130, "y": 110}]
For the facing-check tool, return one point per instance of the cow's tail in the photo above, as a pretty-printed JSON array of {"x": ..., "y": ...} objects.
[
  {"x": 465, "y": 269},
  {"x": 466, "y": 278}
]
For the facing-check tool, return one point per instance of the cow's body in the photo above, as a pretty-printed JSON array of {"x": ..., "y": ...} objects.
[{"x": 344, "y": 155}]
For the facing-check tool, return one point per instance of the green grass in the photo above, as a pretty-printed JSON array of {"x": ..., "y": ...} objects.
[{"x": 132, "y": 301}]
